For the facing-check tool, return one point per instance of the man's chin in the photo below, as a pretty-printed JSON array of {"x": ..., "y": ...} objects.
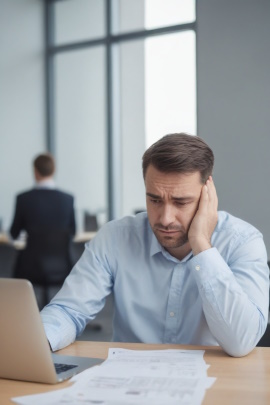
[{"x": 170, "y": 243}]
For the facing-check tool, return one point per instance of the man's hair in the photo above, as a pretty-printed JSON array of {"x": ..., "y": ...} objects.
[
  {"x": 180, "y": 153},
  {"x": 44, "y": 164}
]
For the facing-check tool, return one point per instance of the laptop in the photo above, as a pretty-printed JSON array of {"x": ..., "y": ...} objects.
[{"x": 24, "y": 350}]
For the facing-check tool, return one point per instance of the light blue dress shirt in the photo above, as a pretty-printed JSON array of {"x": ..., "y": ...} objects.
[{"x": 218, "y": 297}]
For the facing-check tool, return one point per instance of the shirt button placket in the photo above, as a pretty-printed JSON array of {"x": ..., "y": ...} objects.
[{"x": 173, "y": 304}]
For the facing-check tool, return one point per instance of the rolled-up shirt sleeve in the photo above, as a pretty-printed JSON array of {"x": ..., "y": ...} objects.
[{"x": 234, "y": 294}]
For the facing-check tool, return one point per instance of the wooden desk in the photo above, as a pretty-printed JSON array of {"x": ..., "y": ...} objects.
[
  {"x": 84, "y": 237},
  {"x": 20, "y": 244},
  {"x": 243, "y": 380},
  {"x": 4, "y": 238}
]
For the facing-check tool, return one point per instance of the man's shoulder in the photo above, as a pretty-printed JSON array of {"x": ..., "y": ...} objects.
[
  {"x": 63, "y": 193},
  {"x": 45, "y": 192},
  {"x": 25, "y": 194},
  {"x": 232, "y": 225},
  {"x": 127, "y": 236},
  {"x": 232, "y": 234}
]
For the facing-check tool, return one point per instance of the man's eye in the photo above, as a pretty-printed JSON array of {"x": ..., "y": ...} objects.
[
  {"x": 155, "y": 201},
  {"x": 181, "y": 203}
]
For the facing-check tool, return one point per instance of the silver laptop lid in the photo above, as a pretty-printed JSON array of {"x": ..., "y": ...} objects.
[{"x": 24, "y": 350}]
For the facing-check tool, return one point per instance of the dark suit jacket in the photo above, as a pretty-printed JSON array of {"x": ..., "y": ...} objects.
[
  {"x": 37, "y": 211},
  {"x": 43, "y": 208}
]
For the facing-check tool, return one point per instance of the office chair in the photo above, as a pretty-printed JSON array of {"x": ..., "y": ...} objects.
[
  {"x": 90, "y": 222},
  {"x": 8, "y": 255},
  {"x": 46, "y": 260}
]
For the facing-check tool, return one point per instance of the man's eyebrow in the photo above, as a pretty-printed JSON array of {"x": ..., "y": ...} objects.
[
  {"x": 153, "y": 195},
  {"x": 186, "y": 198}
]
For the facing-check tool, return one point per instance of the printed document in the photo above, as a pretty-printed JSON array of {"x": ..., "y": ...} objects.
[{"x": 130, "y": 377}]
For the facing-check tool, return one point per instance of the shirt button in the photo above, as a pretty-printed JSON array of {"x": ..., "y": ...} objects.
[
  {"x": 197, "y": 267},
  {"x": 171, "y": 313}
]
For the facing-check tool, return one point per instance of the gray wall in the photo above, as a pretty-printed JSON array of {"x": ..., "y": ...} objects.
[{"x": 233, "y": 60}]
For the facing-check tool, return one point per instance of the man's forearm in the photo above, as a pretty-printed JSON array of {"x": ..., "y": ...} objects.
[
  {"x": 236, "y": 314},
  {"x": 60, "y": 332}
]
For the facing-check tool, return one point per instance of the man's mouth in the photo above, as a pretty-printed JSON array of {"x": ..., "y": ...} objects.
[{"x": 168, "y": 232}]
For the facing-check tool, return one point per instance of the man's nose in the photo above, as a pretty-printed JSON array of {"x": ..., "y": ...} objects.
[{"x": 167, "y": 215}]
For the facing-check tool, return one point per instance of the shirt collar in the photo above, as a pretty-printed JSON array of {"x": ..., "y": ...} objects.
[{"x": 50, "y": 184}]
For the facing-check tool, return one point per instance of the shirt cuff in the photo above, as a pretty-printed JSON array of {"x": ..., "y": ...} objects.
[
  {"x": 51, "y": 337},
  {"x": 207, "y": 266}
]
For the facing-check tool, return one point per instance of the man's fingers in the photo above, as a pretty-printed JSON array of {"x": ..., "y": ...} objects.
[
  {"x": 212, "y": 193},
  {"x": 204, "y": 200}
]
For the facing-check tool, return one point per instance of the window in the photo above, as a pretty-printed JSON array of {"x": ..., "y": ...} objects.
[
  {"x": 78, "y": 20},
  {"x": 170, "y": 92},
  {"x": 80, "y": 129},
  {"x": 117, "y": 80}
]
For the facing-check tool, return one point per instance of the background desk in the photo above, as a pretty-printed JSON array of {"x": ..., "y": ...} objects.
[
  {"x": 81, "y": 237},
  {"x": 243, "y": 380},
  {"x": 9, "y": 250}
]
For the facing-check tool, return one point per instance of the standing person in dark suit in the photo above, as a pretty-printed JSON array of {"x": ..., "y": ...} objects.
[
  {"x": 43, "y": 206},
  {"x": 41, "y": 209}
]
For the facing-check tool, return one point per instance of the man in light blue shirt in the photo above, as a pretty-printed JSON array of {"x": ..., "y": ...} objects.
[{"x": 182, "y": 273}]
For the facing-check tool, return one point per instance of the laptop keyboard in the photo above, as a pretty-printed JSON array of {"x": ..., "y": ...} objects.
[{"x": 61, "y": 368}]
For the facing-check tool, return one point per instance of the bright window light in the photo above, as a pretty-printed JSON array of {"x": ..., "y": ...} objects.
[
  {"x": 170, "y": 85},
  {"x": 159, "y": 13}
]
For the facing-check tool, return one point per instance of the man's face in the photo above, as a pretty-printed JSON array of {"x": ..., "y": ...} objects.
[{"x": 172, "y": 200}]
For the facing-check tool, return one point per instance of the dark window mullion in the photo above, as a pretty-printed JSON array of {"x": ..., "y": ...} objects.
[{"x": 49, "y": 77}]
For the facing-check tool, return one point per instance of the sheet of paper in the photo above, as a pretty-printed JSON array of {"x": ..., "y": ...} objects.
[{"x": 135, "y": 377}]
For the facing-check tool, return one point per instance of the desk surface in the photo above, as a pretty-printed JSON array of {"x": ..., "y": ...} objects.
[{"x": 243, "y": 380}]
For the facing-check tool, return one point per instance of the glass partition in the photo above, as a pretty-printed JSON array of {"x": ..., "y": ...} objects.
[
  {"x": 136, "y": 15},
  {"x": 80, "y": 130},
  {"x": 78, "y": 20},
  {"x": 170, "y": 85}
]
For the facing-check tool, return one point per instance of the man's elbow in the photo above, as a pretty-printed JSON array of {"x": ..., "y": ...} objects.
[
  {"x": 240, "y": 347},
  {"x": 238, "y": 350}
]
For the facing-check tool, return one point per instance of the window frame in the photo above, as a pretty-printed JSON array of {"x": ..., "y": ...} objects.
[{"x": 112, "y": 87}]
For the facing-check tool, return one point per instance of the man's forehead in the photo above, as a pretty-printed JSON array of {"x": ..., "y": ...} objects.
[
  {"x": 154, "y": 175},
  {"x": 173, "y": 185}
]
